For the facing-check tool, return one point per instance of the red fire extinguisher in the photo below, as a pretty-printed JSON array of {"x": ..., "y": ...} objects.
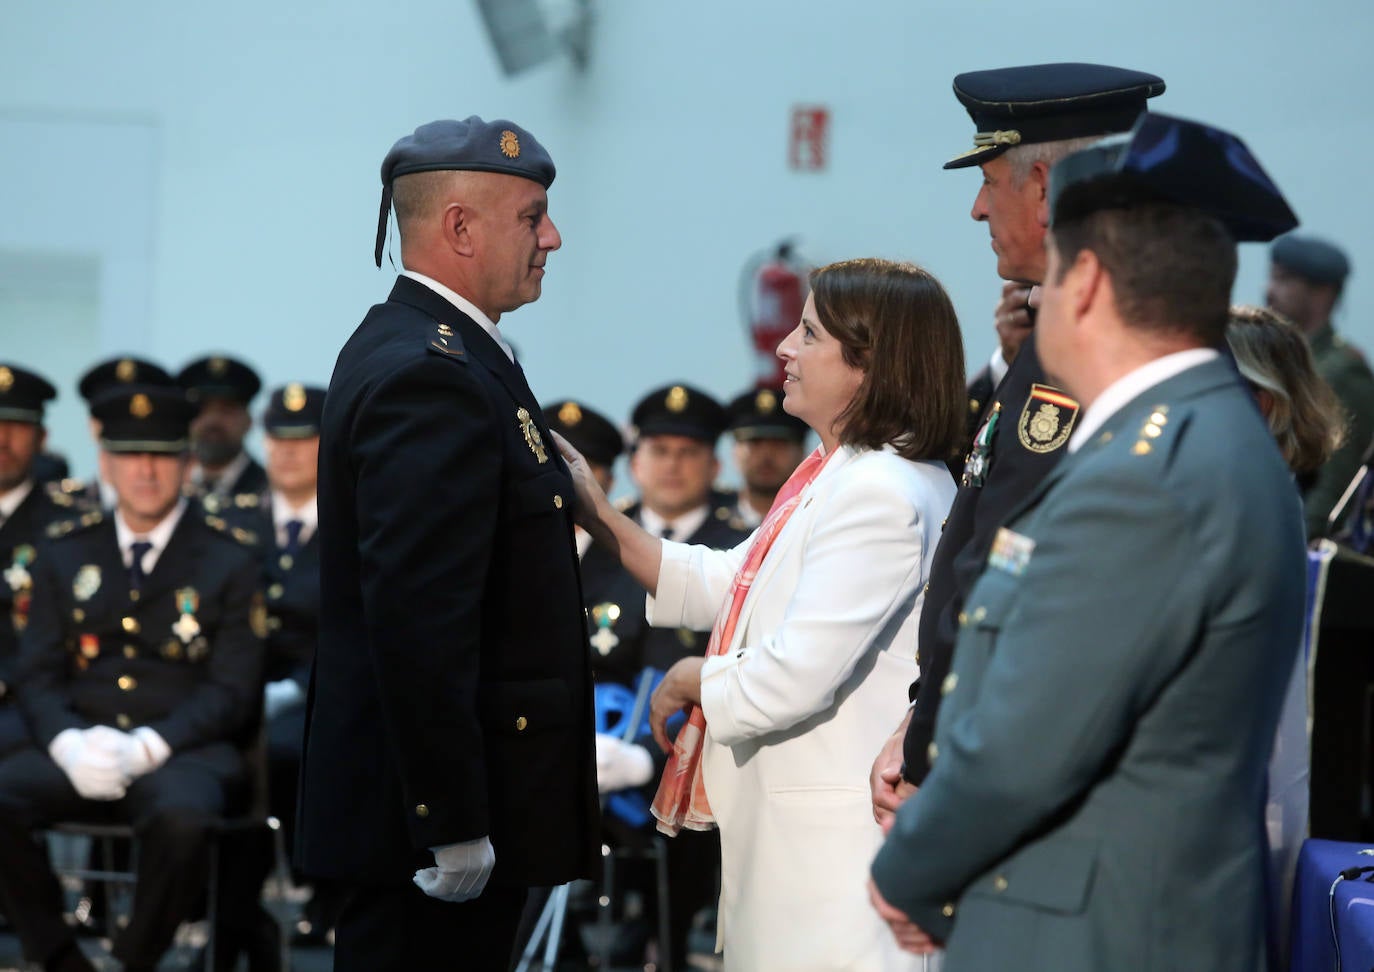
[{"x": 773, "y": 290}]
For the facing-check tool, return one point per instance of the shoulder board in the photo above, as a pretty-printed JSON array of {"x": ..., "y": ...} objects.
[
  {"x": 62, "y": 528},
  {"x": 1154, "y": 432},
  {"x": 60, "y": 497},
  {"x": 245, "y": 537},
  {"x": 445, "y": 340}
]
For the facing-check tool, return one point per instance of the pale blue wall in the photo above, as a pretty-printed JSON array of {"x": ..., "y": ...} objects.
[{"x": 247, "y": 137}]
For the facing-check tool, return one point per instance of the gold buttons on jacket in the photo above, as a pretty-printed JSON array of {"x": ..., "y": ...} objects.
[
  {"x": 421, "y": 810},
  {"x": 979, "y": 614},
  {"x": 275, "y": 591},
  {"x": 948, "y": 684},
  {"x": 1000, "y": 883},
  {"x": 78, "y": 615},
  {"x": 286, "y": 562},
  {"x": 123, "y": 721},
  {"x": 520, "y": 723},
  {"x": 130, "y": 625},
  {"x": 127, "y": 683},
  {"x": 130, "y": 651},
  {"x": 947, "y": 910},
  {"x": 932, "y": 751},
  {"x": 557, "y": 502}
]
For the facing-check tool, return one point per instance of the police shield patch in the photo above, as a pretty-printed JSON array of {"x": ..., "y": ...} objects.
[{"x": 1047, "y": 419}]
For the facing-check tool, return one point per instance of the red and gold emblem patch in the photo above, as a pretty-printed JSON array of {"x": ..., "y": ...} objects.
[{"x": 1047, "y": 419}]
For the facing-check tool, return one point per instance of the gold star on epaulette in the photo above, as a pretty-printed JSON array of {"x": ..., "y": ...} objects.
[
  {"x": 60, "y": 498},
  {"x": 446, "y": 341},
  {"x": 1151, "y": 430}
]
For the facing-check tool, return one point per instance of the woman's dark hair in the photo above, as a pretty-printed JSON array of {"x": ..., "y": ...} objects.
[{"x": 895, "y": 321}]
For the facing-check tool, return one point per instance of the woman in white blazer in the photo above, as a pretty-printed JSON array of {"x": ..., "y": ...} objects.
[{"x": 815, "y": 623}]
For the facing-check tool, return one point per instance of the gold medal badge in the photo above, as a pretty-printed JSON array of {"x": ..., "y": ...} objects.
[
  {"x": 1047, "y": 419},
  {"x": 531, "y": 432}
]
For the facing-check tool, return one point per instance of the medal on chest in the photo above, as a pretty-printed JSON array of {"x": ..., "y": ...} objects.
[
  {"x": 980, "y": 456},
  {"x": 531, "y": 433},
  {"x": 605, "y": 616},
  {"x": 187, "y": 627}
]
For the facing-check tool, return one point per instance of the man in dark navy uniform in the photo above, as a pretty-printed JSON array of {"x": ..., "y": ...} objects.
[
  {"x": 139, "y": 681},
  {"x": 674, "y": 464},
  {"x": 1027, "y": 119},
  {"x": 450, "y": 705},
  {"x": 769, "y": 445},
  {"x": 100, "y": 379},
  {"x": 26, "y": 509},
  {"x": 222, "y": 388}
]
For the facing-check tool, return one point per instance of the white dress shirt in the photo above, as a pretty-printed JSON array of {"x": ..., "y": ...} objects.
[
  {"x": 158, "y": 536},
  {"x": 9, "y": 502},
  {"x": 464, "y": 305},
  {"x": 283, "y": 512},
  {"x": 681, "y": 528},
  {"x": 1121, "y": 392}
]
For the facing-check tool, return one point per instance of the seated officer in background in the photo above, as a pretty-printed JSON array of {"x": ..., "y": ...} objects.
[
  {"x": 769, "y": 445},
  {"x": 100, "y": 379},
  {"x": 674, "y": 464},
  {"x": 593, "y": 435},
  {"x": 25, "y": 512},
  {"x": 140, "y": 676},
  {"x": 283, "y": 520},
  {"x": 222, "y": 389}
]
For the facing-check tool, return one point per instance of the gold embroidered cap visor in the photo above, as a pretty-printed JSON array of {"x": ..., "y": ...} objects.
[{"x": 1048, "y": 103}]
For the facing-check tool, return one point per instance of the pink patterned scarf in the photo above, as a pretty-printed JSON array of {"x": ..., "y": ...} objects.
[{"x": 681, "y": 798}]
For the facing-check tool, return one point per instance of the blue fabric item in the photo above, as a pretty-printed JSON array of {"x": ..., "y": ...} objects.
[
  {"x": 1313, "y": 948},
  {"x": 615, "y": 705}
]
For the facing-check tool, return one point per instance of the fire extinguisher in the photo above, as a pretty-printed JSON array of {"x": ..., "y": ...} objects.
[{"x": 773, "y": 289}]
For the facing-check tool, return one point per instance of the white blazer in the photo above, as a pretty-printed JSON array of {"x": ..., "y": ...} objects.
[{"x": 812, "y": 684}]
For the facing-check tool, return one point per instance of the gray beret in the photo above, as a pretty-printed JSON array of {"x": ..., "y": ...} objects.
[
  {"x": 1313, "y": 259},
  {"x": 471, "y": 144}
]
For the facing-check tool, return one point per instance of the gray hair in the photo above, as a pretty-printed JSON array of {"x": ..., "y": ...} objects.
[{"x": 1024, "y": 157}]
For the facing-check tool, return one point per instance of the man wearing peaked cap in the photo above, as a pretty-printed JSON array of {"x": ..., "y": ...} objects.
[
  {"x": 673, "y": 464},
  {"x": 1026, "y": 119},
  {"x": 138, "y": 679},
  {"x": 451, "y": 703},
  {"x": 769, "y": 445},
  {"x": 26, "y": 510},
  {"x": 593, "y": 435},
  {"x": 1306, "y": 279},
  {"x": 1093, "y": 695},
  {"x": 100, "y": 378},
  {"x": 222, "y": 388}
]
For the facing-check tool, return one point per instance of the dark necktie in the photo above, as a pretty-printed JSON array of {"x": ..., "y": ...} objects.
[
  {"x": 138, "y": 548},
  {"x": 667, "y": 533},
  {"x": 293, "y": 537}
]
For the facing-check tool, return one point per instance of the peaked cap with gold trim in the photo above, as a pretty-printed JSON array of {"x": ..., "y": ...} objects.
[
  {"x": 1048, "y": 103},
  {"x": 294, "y": 411},
  {"x": 22, "y": 394},
  {"x": 590, "y": 432},
  {"x": 758, "y": 414},
  {"x": 679, "y": 410},
  {"x": 144, "y": 418}
]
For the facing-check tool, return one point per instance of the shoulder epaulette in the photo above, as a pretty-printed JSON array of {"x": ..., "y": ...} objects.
[
  {"x": 446, "y": 341},
  {"x": 246, "y": 537},
  {"x": 1150, "y": 432},
  {"x": 62, "y": 528}
]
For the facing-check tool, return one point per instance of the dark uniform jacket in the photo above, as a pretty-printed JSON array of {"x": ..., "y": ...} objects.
[
  {"x": 623, "y": 643},
  {"x": 250, "y": 481},
  {"x": 1027, "y": 441},
  {"x": 291, "y": 584},
  {"x": 182, "y": 657},
  {"x": 21, "y": 537},
  {"x": 451, "y": 696}
]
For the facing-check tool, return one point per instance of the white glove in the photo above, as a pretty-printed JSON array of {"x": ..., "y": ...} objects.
[
  {"x": 282, "y": 696},
  {"x": 137, "y": 753},
  {"x": 621, "y": 764},
  {"x": 461, "y": 873},
  {"x": 93, "y": 770}
]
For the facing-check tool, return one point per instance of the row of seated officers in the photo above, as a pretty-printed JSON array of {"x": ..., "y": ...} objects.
[{"x": 158, "y": 617}]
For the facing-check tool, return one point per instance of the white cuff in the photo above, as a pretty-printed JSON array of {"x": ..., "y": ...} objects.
[{"x": 157, "y": 746}]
